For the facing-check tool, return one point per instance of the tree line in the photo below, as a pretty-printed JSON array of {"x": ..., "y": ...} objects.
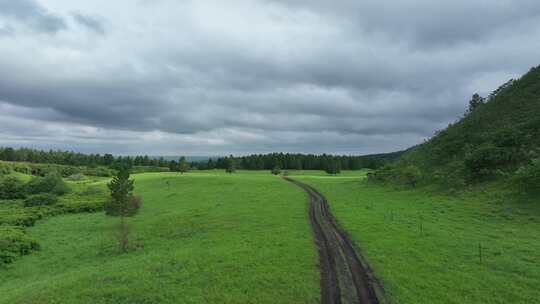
[
  {"x": 250, "y": 162},
  {"x": 289, "y": 161}
]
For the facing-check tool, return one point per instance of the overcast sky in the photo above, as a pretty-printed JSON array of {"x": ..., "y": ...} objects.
[{"x": 171, "y": 77}]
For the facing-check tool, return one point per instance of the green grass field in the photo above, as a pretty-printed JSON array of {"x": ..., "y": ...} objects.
[
  {"x": 210, "y": 238},
  {"x": 425, "y": 247},
  {"x": 213, "y": 237}
]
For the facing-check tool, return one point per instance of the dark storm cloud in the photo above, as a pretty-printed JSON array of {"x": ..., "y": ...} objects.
[
  {"x": 253, "y": 75},
  {"x": 30, "y": 13}
]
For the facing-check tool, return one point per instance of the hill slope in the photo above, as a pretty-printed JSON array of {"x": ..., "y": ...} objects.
[{"x": 492, "y": 140}]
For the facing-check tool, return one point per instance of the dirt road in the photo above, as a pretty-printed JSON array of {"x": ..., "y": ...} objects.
[{"x": 344, "y": 277}]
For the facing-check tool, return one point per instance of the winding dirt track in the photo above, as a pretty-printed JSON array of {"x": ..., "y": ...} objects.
[{"x": 344, "y": 276}]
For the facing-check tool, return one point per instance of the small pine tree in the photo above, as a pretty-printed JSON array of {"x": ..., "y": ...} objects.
[
  {"x": 276, "y": 170},
  {"x": 122, "y": 204}
]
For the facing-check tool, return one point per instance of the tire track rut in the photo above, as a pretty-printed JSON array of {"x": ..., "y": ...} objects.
[{"x": 345, "y": 278}]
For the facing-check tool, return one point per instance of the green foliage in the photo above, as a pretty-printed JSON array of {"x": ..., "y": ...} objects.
[
  {"x": 276, "y": 170},
  {"x": 528, "y": 178},
  {"x": 144, "y": 169},
  {"x": 122, "y": 202},
  {"x": 333, "y": 166},
  {"x": 42, "y": 199},
  {"x": 411, "y": 175},
  {"x": 231, "y": 165},
  {"x": 14, "y": 242},
  {"x": 302, "y": 161},
  {"x": 402, "y": 174},
  {"x": 5, "y": 169},
  {"x": 11, "y": 188},
  {"x": 76, "y": 177},
  {"x": 497, "y": 136},
  {"x": 485, "y": 161},
  {"x": 17, "y": 214},
  {"x": 92, "y": 190},
  {"x": 51, "y": 183},
  {"x": 98, "y": 171},
  {"x": 183, "y": 165}
]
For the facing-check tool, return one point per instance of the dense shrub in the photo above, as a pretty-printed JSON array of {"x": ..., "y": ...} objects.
[
  {"x": 43, "y": 199},
  {"x": 51, "y": 183},
  {"x": 276, "y": 170},
  {"x": 5, "y": 169},
  {"x": 19, "y": 216},
  {"x": 99, "y": 171},
  {"x": 14, "y": 242},
  {"x": 408, "y": 175},
  {"x": 486, "y": 161},
  {"x": 528, "y": 178},
  {"x": 92, "y": 190},
  {"x": 143, "y": 169},
  {"x": 11, "y": 188}
]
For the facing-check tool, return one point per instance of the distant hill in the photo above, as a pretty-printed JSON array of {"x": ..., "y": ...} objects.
[{"x": 496, "y": 137}]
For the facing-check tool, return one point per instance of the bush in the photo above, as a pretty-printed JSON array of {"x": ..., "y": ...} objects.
[
  {"x": 92, "y": 190},
  {"x": 276, "y": 170},
  {"x": 99, "y": 171},
  {"x": 486, "y": 161},
  {"x": 51, "y": 183},
  {"x": 5, "y": 169},
  {"x": 11, "y": 188},
  {"x": 408, "y": 175},
  {"x": 14, "y": 242},
  {"x": 143, "y": 169},
  {"x": 528, "y": 178},
  {"x": 43, "y": 199}
]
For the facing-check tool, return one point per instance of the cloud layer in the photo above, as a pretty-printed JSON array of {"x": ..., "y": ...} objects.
[{"x": 209, "y": 77}]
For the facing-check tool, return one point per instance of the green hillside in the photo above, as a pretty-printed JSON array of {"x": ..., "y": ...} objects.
[{"x": 498, "y": 138}]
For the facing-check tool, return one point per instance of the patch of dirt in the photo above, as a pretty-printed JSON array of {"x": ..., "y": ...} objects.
[{"x": 345, "y": 278}]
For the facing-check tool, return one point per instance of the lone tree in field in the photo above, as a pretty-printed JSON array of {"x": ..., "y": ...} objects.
[
  {"x": 122, "y": 204},
  {"x": 183, "y": 166},
  {"x": 276, "y": 170},
  {"x": 231, "y": 165}
]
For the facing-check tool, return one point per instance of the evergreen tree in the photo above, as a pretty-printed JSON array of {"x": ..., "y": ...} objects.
[
  {"x": 475, "y": 102},
  {"x": 122, "y": 204}
]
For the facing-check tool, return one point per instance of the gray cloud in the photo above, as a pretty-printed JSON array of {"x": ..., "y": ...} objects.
[
  {"x": 90, "y": 22},
  {"x": 202, "y": 77},
  {"x": 30, "y": 13}
]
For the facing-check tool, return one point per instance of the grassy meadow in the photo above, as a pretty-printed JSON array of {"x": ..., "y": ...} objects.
[
  {"x": 212, "y": 237},
  {"x": 199, "y": 238},
  {"x": 426, "y": 247}
]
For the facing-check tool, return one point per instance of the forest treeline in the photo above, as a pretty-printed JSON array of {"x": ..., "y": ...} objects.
[
  {"x": 249, "y": 162},
  {"x": 289, "y": 161}
]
